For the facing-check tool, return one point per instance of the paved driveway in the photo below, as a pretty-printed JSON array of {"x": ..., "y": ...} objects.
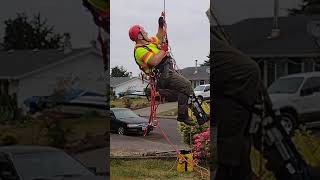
[{"x": 154, "y": 142}]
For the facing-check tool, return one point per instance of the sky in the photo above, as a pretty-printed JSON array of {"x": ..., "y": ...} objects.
[
  {"x": 188, "y": 26},
  {"x": 187, "y": 23},
  {"x": 64, "y": 15}
]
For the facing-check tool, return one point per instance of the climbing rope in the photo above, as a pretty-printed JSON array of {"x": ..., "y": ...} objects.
[{"x": 153, "y": 120}]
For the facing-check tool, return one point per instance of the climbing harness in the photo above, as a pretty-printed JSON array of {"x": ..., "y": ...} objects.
[
  {"x": 274, "y": 143},
  {"x": 197, "y": 110}
]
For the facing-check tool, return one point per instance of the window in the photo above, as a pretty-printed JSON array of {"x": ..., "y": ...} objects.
[
  {"x": 286, "y": 85},
  {"x": 294, "y": 66},
  {"x": 207, "y": 88},
  {"x": 202, "y": 82},
  {"x": 308, "y": 66},
  {"x": 311, "y": 85}
]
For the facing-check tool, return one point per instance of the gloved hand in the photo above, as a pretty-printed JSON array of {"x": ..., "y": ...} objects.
[
  {"x": 161, "y": 22},
  {"x": 164, "y": 47}
]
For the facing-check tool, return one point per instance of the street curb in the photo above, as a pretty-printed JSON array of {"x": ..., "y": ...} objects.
[
  {"x": 143, "y": 157},
  {"x": 164, "y": 117},
  {"x": 148, "y": 155}
]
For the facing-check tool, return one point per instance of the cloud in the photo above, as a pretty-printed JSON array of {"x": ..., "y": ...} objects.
[{"x": 188, "y": 29}]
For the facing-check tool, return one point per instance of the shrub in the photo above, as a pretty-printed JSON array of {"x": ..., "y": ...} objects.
[
  {"x": 9, "y": 139},
  {"x": 57, "y": 134},
  {"x": 201, "y": 147},
  {"x": 187, "y": 132},
  {"x": 127, "y": 102},
  {"x": 91, "y": 114}
]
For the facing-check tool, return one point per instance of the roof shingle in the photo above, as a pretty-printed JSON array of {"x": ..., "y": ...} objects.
[
  {"x": 251, "y": 36},
  {"x": 203, "y": 73},
  {"x": 20, "y": 62}
]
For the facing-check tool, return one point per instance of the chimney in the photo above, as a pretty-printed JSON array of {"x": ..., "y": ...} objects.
[
  {"x": 196, "y": 68},
  {"x": 275, "y": 32},
  {"x": 67, "y": 47}
]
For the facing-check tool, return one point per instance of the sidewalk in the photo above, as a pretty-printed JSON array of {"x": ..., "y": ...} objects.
[{"x": 145, "y": 112}]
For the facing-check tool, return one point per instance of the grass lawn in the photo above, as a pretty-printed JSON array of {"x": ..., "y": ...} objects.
[
  {"x": 83, "y": 126},
  {"x": 172, "y": 112},
  {"x": 143, "y": 102},
  {"x": 148, "y": 169},
  {"x": 29, "y": 132}
]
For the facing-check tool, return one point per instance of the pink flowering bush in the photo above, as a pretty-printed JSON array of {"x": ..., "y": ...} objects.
[{"x": 201, "y": 147}]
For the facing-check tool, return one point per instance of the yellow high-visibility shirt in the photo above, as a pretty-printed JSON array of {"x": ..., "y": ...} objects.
[{"x": 144, "y": 52}]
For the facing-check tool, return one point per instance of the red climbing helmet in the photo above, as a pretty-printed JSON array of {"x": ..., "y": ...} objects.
[{"x": 134, "y": 32}]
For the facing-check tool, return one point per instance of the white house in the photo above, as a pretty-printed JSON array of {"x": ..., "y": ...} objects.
[
  {"x": 26, "y": 73},
  {"x": 123, "y": 84},
  {"x": 197, "y": 75}
]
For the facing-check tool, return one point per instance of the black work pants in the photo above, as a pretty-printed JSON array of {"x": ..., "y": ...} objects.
[
  {"x": 178, "y": 86},
  {"x": 236, "y": 78}
]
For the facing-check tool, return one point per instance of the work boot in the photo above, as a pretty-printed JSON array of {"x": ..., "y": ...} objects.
[{"x": 185, "y": 119}]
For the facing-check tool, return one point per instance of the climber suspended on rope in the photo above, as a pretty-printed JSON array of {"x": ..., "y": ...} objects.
[
  {"x": 245, "y": 116},
  {"x": 152, "y": 57}
]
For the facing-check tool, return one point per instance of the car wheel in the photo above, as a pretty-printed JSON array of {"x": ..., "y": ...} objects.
[
  {"x": 288, "y": 122},
  {"x": 121, "y": 130}
]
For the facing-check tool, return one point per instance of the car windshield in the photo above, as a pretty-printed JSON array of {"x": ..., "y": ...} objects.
[
  {"x": 199, "y": 88},
  {"x": 48, "y": 165},
  {"x": 286, "y": 85},
  {"x": 124, "y": 113}
]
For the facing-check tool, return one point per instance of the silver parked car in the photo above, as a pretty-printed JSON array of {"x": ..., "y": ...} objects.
[{"x": 298, "y": 98}]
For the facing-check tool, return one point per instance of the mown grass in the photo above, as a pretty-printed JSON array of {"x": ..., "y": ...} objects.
[
  {"x": 136, "y": 102},
  {"x": 148, "y": 170},
  {"x": 172, "y": 112},
  {"x": 33, "y": 133}
]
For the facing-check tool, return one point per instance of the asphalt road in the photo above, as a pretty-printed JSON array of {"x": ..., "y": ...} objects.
[
  {"x": 135, "y": 145},
  {"x": 154, "y": 142}
]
